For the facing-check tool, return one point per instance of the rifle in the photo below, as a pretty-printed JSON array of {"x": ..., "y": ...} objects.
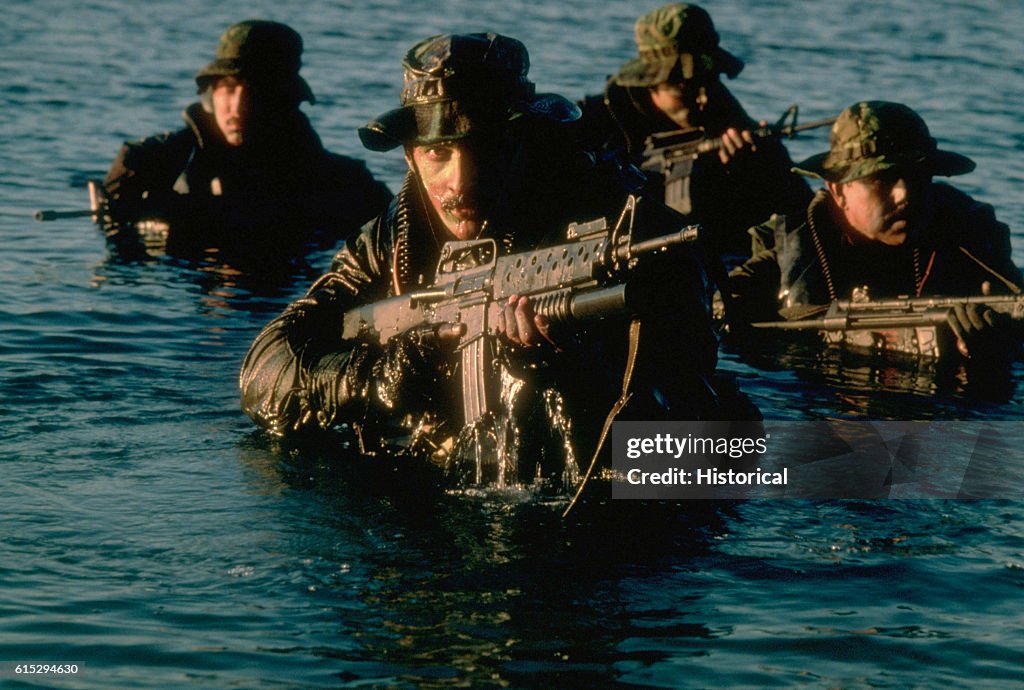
[
  {"x": 672, "y": 153},
  {"x": 97, "y": 201},
  {"x": 581, "y": 280},
  {"x": 901, "y": 312},
  {"x": 662, "y": 149}
]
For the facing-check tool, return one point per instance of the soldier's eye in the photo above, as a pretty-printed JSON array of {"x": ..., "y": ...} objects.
[{"x": 439, "y": 153}]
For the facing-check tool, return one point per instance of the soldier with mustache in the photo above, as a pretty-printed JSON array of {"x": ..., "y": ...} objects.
[
  {"x": 881, "y": 227},
  {"x": 488, "y": 157}
]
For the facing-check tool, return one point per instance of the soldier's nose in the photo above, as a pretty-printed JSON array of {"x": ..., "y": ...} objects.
[
  {"x": 464, "y": 170},
  {"x": 239, "y": 98},
  {"x": 900, "y": 192}
]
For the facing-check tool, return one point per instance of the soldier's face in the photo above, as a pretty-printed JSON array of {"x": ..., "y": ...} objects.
[
  {"x": 463, "y": 180},
  {"x": 231, "y": 108},
  {"x": 674, "y": 101},
  {"x": 885, "y": 207}
]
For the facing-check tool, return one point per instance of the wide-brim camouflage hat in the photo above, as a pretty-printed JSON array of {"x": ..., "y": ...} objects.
[
  {"x": 457, "y": 85},
  {"x": 259, "y": 51},
  {"x": 677, "y": 41},
  {"x": 872, "y": 136}
]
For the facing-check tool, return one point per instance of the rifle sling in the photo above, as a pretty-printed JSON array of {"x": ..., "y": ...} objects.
[
  {"x": 1003, "y": 279},
  {"x": 627, "y": 378}
]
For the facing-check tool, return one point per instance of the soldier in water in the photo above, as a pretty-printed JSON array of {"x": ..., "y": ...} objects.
[{"x": 247, "y": 175}]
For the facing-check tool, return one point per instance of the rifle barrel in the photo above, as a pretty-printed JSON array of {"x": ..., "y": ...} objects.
[
  {"x": 50, "y": 214},
  {"x": 932, "y": 317},
  {"x": 813, "y": 124},
  {"x": 688, "y": 149},
  {"x": 687, "y": 234},
  {"x": 896, "y": 313},
  {"x": 787, "y": 131},
  {"x": 910, "y": 303}
]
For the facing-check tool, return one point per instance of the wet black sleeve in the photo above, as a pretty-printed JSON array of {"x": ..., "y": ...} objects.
[
  {"x": 754, "y": 287},
  {"x": 141, "y": 179},
  {"x": 299, "y": 374}
]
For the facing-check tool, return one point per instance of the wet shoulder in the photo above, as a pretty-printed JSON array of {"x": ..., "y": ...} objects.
[
  {"x": 962, "y": 217},
  {"x": 366, "y": 255},
  {"x": 165, "y": 146}
]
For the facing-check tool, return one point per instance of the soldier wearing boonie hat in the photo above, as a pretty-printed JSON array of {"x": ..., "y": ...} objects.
[
  {"x": 487, "y": 158},
  {"x": 677, "y": 38},
  {"x": 457, "y": 85},
  {"x": 881, "y": 227},
  {"x": 265, "y": 53},
  {"x": 674, "y": 84},
  {"x": 873, "y": 136},
  {"x": 248, "y": 173},
  {"x": 467, "y": 96}
]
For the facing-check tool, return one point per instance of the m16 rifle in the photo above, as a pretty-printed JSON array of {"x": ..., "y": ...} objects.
[
  {"x": 584, "y": 279},
  {"x": 672, "y": 153}
]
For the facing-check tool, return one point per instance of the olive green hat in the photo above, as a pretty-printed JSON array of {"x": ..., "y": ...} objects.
[
  {"x": 676, "y": 35},
  {"x": 260, "y": 51},
  {"x": 458, "y": 84},
  {"x": 872, "y": 136}
]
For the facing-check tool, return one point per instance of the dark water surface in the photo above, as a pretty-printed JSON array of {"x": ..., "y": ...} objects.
[{"x": 150, "y": 535}]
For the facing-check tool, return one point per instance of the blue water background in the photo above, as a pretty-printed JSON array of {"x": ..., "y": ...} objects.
[{"x": 148, "y": 534}]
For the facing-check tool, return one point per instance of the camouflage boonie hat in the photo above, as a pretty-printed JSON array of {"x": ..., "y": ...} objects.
[
  {"x": 260, "y": 51},
  {"x": 676, "y": 35},
  {"x": 872, "y": 136},
  {"x": 455, "y": 85}
]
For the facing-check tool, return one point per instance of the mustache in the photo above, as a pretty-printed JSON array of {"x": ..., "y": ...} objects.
[
  {"x": 898, "y": 213},
  {"x": 454, "y": 201}
]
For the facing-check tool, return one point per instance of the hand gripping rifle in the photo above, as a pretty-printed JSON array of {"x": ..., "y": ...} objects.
[
  {"x": 581, "y": 280},
  {"x": 901, "y": 312},
  {"x": 672, "y": 153}
]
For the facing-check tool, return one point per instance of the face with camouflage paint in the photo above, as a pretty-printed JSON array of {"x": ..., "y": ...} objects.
[
  {"x": 682, "y": 99},
  {"x": 885, "y": 207},
  {"x": 464, "y": 180},
  {"x": 680, "y": 102}
]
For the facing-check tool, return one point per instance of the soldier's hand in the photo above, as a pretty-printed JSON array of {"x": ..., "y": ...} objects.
[
  {"x": 518, "y": 323},
  {"x": 735, "y": 142},
  {"x": 980, "y": 331}
]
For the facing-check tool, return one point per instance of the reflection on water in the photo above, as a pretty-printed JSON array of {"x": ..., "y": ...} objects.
[
  {"x": 492, "y": 588},
  {"x": 841, "y": 380}
]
